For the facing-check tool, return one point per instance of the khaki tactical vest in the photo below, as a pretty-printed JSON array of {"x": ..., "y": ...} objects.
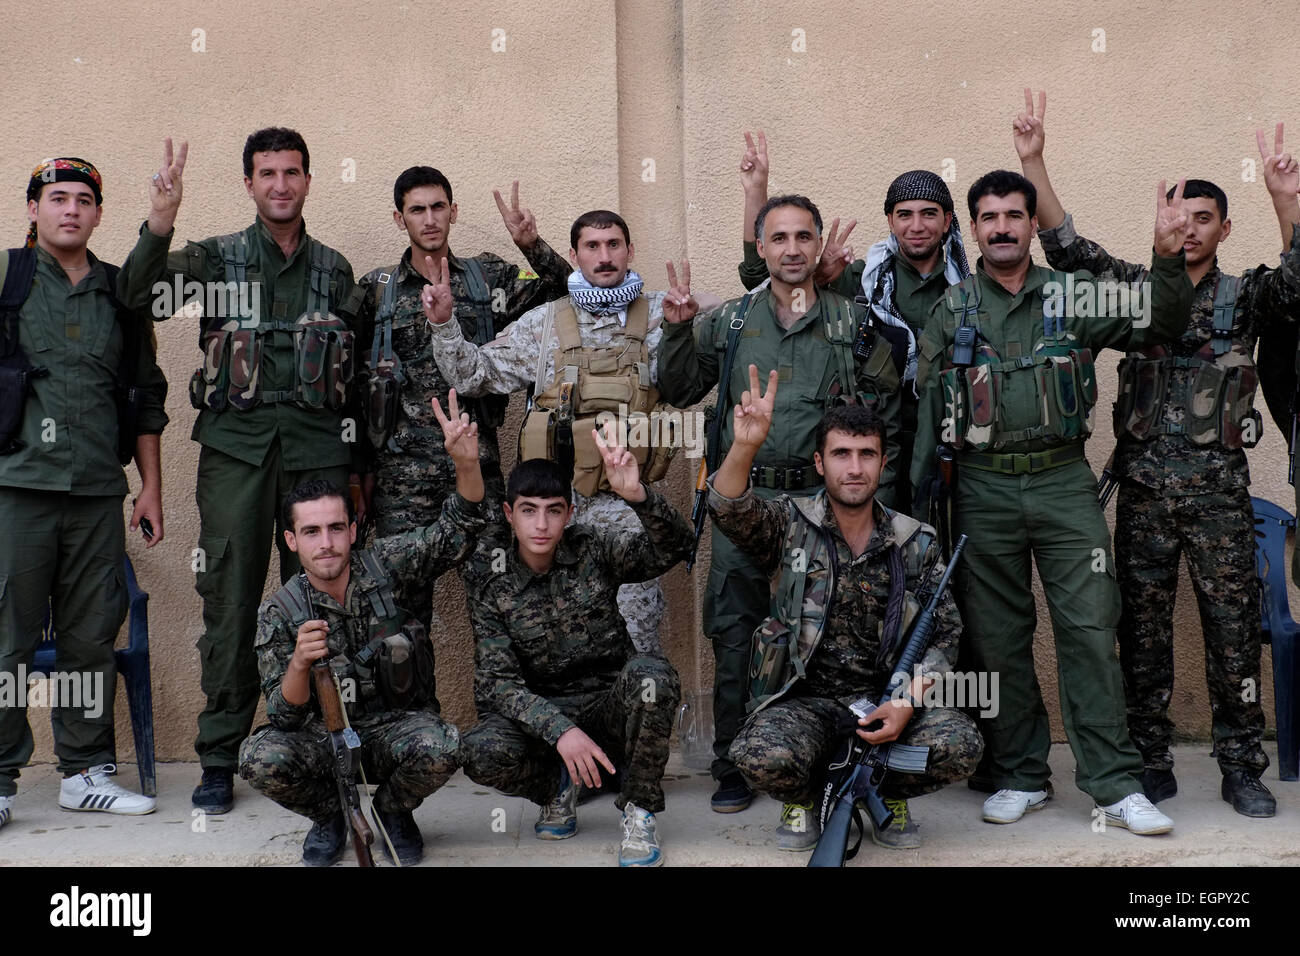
[
  {"x": 614, "y": 380},
  {"x": 802, "y": 593},
  {"x": 232, "y": 345},
  {"x": 1217, "y": 389},
  {"x": 974, "y": 376}
]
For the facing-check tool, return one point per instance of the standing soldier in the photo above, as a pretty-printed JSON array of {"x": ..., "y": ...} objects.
[
  {"x": 1183, "y": 471},
  {"x": 1007, "y": 380},
  {"x": 276, "y": 407},
  {"x": 817, "y": 340},
  {"x": 412, "y": 473},
  {"x": 68, "y": 352}
]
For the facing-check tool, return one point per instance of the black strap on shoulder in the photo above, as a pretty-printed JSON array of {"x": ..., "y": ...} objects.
[
  {"x": 19, "y": 272},
  {"x": 481, "y": 296},
  {"x": 1225, "y": 305},
  {"x": 322, "y": 260},
  {"x": 712, "y": 452},
  {"x": 385, "y": 286},
  {"x": 292, "y": 602},
  {"x": 1053, "y": 308},
  {"x": 381, "y": 594}
]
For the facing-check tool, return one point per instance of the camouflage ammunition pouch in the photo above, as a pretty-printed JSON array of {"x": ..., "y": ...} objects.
[
  {"x": 1216, "y": 386},
  {"x": 599, "y": 384},
  {"x": 232, "y": 347},
  {"x": 404, "y": 668}
]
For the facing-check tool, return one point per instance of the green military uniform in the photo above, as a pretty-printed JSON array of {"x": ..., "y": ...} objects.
[
  {"x": 410, "y": 752},
  {"x": 811, "y": 370},
  {"x": 256, "y": 454},
  {"x": 61, "y": 507},
  {"x": 838, "y": 639},
  {"x": 1020, "y": 413},
  {"x": 553, "y": 653},
  {"x": 1185, "y": 489},
  {"x": 413, "y": 472}
]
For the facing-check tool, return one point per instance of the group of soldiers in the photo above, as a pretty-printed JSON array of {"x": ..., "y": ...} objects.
[{"x": 908, "y": 399}]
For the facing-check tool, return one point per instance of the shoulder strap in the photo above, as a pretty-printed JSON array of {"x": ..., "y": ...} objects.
[
  {"x": 1225, "y": 306},
  {"x": 385, "y": 285},
  {"x": 292, "y": 602},
  {"x": 234, "y": 253},
  {"x": 322, "y": 261},
  {"x": 638, "y": 319},
  {"x": 1053, "y": 307},
  {"x": 712, "y": 452},
  {"x": 381, "y": 594},
  {"x": 18, "y": 270},
  {"x": 565, "y": 320},
  {"x": 841, "y": 329},
  {"x": 481, "y": 297}
]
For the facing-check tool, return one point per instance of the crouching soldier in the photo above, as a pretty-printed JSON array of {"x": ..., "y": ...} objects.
[
  {"x": 846, "y": 564},
  {"x": 341, "y": 608},
  {"x": 560, "y": 688}
]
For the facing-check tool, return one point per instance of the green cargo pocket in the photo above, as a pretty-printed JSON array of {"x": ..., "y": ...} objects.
[
  {"x": 207, "y": 565},
  {"x": 1206, "y": 405},
  {"x": 1150, "y": 379},
  {"x": 339, "y": 367}
]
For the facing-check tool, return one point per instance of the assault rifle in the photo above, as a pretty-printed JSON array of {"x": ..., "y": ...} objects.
[
  {"x": 858, "y": 778},
  {"x": 345, "y": 745},
  {"x": 1107, "y": 483}
]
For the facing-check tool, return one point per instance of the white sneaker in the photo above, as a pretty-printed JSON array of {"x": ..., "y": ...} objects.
[
  {"x": 1008, "y": 806},
  {"x": 640, "y": 846},
  {"x": 93, "y": 790},
  {"x": 1138, "y": 815},
  {"x": 6, "y": 809}
]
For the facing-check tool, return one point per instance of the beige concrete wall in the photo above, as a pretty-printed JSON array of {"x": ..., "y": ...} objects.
[{"x": 579, "y": 98}]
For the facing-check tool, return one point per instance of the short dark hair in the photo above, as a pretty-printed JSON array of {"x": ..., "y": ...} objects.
[
  {"x": 1001, "y": 182},
  {"x": 853, "y": 419},
  {"x": 538, "y": 478},
  {"x": 414, "y": 178},
  {"x": 313, "y": 491},
  {"x": 803, "y": 202},
  {"x": 1204, "y": 189},
  {"x": 597, "y": 219},
  {"x": 272, "y": 139}
]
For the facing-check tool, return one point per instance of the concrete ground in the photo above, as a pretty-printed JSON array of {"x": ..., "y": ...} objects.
[{"x": 465, "y": 824}]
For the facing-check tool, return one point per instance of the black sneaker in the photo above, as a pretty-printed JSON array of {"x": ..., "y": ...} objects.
[
  {"x": 1159, "y": 784},
  {"x": 732, "y": 795},
  {"x": 325, "y": 841},
  {"x": 216, "y": 794},
  {"x": 1247, "y": 795},
  {"x": 403, "y": 833}
]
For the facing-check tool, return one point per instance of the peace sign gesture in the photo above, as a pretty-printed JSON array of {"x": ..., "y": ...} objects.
[
  {"x": 519, "y": 222},
  {"x": 621, "y": 469},
  {"x": 165, "y": 189},
  {"x": 753, "y": 417},
  {"x": 436, "y": 297},
  {"x": 1171, "y": 221},
  {"x": 1281, "y": 171},
  {"x": 679, "y": 304},
  {"x": 460, "y": 435},
  {"x": 836, "y": 254},
  {"x": 1027, "y": 127},
  {"x": 753, "y": 165}
]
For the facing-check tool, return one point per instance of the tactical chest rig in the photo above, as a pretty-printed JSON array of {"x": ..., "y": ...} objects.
[
  {"x": 387, "y": 375},
  {"x": 976, "y": 376},
  {"x": 613, "y": 379},
  {"x": 1217, "y": 388},
  {"x": 394, "y": 670},
  {"x": 232, "y": 345}
]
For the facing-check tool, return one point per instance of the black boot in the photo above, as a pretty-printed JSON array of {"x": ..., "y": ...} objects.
[
  {"x": 325, "y": 841},
  {"x": 732, "y": 795},
  {"x": 216, "y": 794},
  {"x": 1247, "y": 795},
  {"x": 1159, "y": 784},
  {"x": 403, "y": 833}
]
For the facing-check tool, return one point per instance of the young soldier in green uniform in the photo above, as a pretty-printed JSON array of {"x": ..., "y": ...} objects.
[
  {"x": 810, "y": 335},
  {"x": 1007, "y": 379},
  {"x": 276, "y": 406},
  {"x": 343, "y": 607},
  {"x": 842, "y": 639},
  {"x": 411, "y": 473},
  {"x": 559, "y": 685},
  {"x": 63, "y": 348},
  {"x": 1183, "y": 420}
]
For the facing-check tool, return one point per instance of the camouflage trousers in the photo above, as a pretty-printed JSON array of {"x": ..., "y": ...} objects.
[
  {"x": 642, "y": 602},
  {"x": 410, "y": 755},
  {"x": 783, "y": 748},
  {"x": 409, "y": 492},
  {"x": 632, "y": 722},
  {"x": 1216, "y": 531}
]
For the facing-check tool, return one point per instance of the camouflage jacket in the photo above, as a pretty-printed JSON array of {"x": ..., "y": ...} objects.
[
  {"x": 416, "y": 556},
  {"x": 560, "y": 634},
  {"x": 690, "y": 360},
  {"x": 1170, "y": 463},
  {"x": 514, "y": 291},
  {"x": 842, "y": 655},
  {"x": 514, "y": 359}
]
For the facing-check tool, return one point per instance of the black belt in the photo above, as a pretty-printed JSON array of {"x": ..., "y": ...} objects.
[{"x": 784, "y": 479}]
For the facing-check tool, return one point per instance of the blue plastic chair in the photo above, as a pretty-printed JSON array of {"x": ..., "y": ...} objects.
[
  {"x": 133, "y": 666},
  {"x": 1277, "y": 627}
]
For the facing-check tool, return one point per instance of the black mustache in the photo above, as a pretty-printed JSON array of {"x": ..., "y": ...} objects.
[{"x": 1003, "y": 238}]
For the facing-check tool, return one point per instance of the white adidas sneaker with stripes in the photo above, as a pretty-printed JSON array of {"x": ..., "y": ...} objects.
[{"x": 93, "y": 789}]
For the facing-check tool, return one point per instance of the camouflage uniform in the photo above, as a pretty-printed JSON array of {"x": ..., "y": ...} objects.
[
  {"x": 790, "y": 734},
  {"x": 1178, "y": 497},
  {"x": 517, "y": 359},
  {"x": 413, "y": 472},
  {"x": 553, "y": 653},
  {"x": 410, "y": 753}
]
